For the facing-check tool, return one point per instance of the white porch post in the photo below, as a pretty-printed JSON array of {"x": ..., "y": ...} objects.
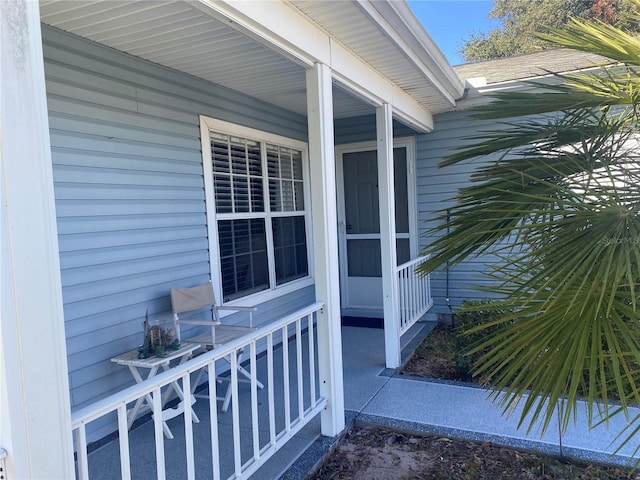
[
  {"x": 384, "y": 131},
  {"x": 35, "y": 417},
  {"x": 325, "y": 244}
]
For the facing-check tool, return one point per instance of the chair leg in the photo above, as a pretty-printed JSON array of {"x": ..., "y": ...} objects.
[
  {"x": 194, "y": 385},
  {"x": 247, "y": 374},
  {"x": 227, "y": 399},
  {"x": 241, "y": 370}
]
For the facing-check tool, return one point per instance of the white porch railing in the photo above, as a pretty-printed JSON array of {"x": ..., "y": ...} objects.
[
  {"x": 414, "y": 293},
  {"x": 291, "y": 383}
]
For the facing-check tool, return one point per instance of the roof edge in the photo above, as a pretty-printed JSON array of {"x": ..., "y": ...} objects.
[{"x": 411, "y": 36}]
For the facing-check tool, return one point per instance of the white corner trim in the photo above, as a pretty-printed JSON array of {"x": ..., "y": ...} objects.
[{"x": 35, "y": 413}]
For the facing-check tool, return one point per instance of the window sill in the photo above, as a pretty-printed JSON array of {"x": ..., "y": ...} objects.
[{"x": 266, "y": 295}]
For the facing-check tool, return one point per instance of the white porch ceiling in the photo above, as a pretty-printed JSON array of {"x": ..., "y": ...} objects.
[{"x": 178, "y": 35}]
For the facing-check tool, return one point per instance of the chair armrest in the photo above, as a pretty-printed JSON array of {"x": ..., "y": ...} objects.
[
  {"x": 239, "y": 308},
  {"x": 208, "y": 323}
]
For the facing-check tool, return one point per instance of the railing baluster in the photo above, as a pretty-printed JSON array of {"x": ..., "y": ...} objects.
[
  {"x": 410, "y": 296},
  {"x": 213, "y": 415},
  {"x": 159, "y": 432},
  {"x": 271, "y": 391},
  {"x": 299, "y": 368},
  {"x": 188, "y": 426},
  {"x": 83, "y": 461},
  {"x": 420, "y": 287},
  {"x": 400, "y": 299},
  {"x": 425, "y": 290},
  {"x": 123, "y": 435},
  {"x": 285, "y": 379},
  {"x": 254, "y": 400},
  {"x": 407, "y": 297},
  {"x": 312, "y": 358},
  {"x": 235, "y": 405},
  {"x": 414, "y": 297}
]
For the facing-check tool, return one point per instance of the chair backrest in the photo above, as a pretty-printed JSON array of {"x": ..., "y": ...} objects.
[
  {"x": 193, "y": 298},
  {"x": 190, "y": 299}
]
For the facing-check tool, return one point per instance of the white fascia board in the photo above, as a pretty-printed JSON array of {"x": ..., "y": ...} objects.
[
  {"x": 479, "y": 93},
  {"x": 399, "y": 25},
  {"x": 484, "y": 94},
  {"x": 282, "y": 28}
]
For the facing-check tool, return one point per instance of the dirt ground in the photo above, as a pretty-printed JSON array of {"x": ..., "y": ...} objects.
[
  {"x": 435, "y": 358},
  {"x": 368, "y": 453}
]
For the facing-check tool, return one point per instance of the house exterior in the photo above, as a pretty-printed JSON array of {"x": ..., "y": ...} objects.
[
  {"x": 273, "y": 148},
  {"x": 147, "y": 145}
]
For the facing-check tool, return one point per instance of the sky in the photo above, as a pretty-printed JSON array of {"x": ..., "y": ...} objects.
[{"x": 450, "y": 22}]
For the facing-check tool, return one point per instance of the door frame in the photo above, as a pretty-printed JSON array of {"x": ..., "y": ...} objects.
[{"x": 409, "y": 143}]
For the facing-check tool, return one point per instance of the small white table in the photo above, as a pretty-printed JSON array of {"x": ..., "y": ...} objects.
[{"x": 153, "y": 364}]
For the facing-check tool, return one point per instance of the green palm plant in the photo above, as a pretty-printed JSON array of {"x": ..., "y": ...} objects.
[{"x": 555, "y": 200}]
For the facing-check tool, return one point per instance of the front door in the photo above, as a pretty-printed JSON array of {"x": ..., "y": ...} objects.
[{"x": 359, "y": 226}]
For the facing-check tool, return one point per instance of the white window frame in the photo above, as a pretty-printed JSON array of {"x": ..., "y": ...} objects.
[{"x": 207, "y": 125}]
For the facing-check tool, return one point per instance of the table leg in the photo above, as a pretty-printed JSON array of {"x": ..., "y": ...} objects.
[
  {"x": 142, "y": 400},
  {"x": 175, "y": 386},
  {"x": 148, "y": 400}
]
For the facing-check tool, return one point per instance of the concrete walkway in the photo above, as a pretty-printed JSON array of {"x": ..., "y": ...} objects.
[{"x": 374, "y": 395}]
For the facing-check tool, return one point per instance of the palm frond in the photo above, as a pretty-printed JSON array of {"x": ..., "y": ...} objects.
[{"x": 554, "y": 203}]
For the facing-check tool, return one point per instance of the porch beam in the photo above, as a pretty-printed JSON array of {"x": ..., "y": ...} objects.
[
  {"x": 284, "y": 29},
  {"x": 325, "y": 245},
  {"x": 35, "y": 413},
  {"x": 384, "y": 132}
]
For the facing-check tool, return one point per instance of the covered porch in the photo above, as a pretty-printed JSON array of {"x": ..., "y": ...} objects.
[
  {"x": 364, "y": 376},
  {"x": 113, "y": 117}
]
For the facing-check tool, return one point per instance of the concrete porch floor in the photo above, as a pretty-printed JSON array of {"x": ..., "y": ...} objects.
[{"x": 375, "y": 395}]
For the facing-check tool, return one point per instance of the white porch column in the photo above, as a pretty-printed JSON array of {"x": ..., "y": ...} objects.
[
  {"x": 384, "y": 131},
  {"x": 35, "y": 423},
  {"x": 325, "y": 244}
]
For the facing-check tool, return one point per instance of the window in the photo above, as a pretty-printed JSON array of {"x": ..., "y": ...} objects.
[{"x": 259, "y": 213}]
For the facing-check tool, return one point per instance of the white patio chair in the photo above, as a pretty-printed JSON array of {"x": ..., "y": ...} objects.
[{"x": 200, "y": 297}]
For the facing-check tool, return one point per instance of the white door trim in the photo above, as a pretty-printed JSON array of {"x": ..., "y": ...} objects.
[{"x": 410, "y": 144}]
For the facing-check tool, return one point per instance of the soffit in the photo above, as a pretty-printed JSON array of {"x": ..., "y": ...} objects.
[
  {"x": 346, "y": 22},
  {"x": 178, "y": 35}
]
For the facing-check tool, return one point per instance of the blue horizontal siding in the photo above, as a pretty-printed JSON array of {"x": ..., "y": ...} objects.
[
  {"x": 159, "y": 91},
  {"x": 437, "y": 189},
  {"x": 363, "y": 129},
  {"x": 130, "y": 202}
]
